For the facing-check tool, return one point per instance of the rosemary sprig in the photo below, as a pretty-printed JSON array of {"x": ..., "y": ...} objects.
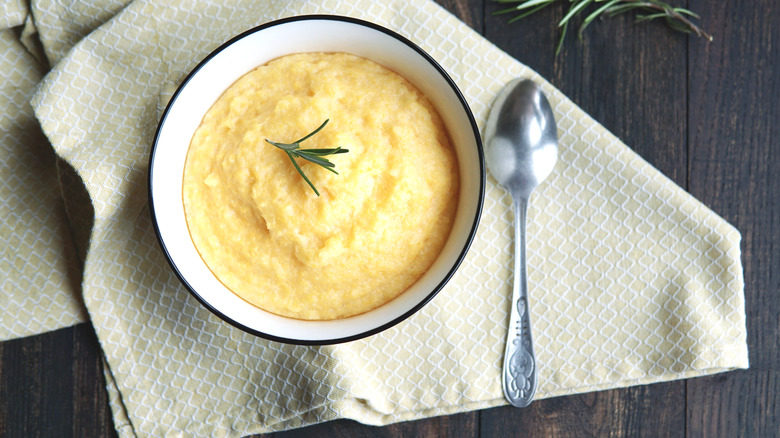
[
  {"x": 315, "y": 156},
  {"x": 677, "y": 18}
]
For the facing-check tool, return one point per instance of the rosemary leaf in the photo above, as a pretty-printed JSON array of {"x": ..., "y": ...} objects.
[
  {"x": 560, "y": 40},
  {"x": 646, "y": 10},
  {"x": 686, "y": 12},
  {"x": 289, "y": 155},
  {"x": 575, "y": 8},
  {"x": 526, "y": 13},
  {"x": 648, "y": 17},
  {"x": 316, "y": 160},
  {"x": 293, "y": 151},
  {"x": 589, "y": 19}
]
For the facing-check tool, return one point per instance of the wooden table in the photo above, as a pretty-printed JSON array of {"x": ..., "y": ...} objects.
[{"x": 705, "y": 114}]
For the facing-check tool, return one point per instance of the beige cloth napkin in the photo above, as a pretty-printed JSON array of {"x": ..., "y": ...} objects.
[
  {"x": 634, "y": 281},
  {"x": 39, "y": 270}
]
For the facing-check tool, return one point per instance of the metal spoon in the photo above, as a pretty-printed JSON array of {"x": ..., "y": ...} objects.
[{"x": 521, "y": 148}]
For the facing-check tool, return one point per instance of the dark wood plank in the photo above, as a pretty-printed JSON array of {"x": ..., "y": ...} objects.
[
  {"x": 52, "y": 385},
  {"x": 531, "y": 40},
  {"x": 35, "y": 384},
  {"x": 456, "y": 426},
  {"x": 632, "y": 79},
  {"x": 734, "y": 115},
  {"x": 633, "y": 412}
]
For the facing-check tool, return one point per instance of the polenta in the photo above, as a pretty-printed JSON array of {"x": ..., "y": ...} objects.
[{"x": 377, "y": 226}]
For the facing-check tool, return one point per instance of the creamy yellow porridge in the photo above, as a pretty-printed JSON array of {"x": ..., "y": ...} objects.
[{"x": 377, "y": 226}]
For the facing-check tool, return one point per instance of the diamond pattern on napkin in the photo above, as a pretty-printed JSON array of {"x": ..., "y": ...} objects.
[
  {"x": 632, "y": 280},
  {"x": 12, "y": 13},
  {"x": 61, "y": 24},
  {"x": 39, "y": 267}
]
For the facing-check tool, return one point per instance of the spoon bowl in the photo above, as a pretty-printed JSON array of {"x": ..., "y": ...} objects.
[
  {"x": 521, "y": 138},
  {"x": 521, "y": 148}
]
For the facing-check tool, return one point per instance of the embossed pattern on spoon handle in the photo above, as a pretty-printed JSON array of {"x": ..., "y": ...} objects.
[{"x": 519, "y": 375}]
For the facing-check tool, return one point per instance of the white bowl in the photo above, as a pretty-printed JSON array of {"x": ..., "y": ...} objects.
[{"x": 256, "y": 47}]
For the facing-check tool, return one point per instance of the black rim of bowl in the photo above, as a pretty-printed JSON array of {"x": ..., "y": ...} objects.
[{"x": 438, "y": 287}]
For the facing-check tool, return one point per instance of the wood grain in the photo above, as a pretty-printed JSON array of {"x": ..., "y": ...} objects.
[
  {"x": 52, "y": 385},
  {"x": 705, "y": 114},
  {"x": 735, "y": 153},
  {"x": 457, "y": 426}
]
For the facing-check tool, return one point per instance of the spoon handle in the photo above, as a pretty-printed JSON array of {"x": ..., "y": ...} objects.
[{"x": 519, "y": 371}]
